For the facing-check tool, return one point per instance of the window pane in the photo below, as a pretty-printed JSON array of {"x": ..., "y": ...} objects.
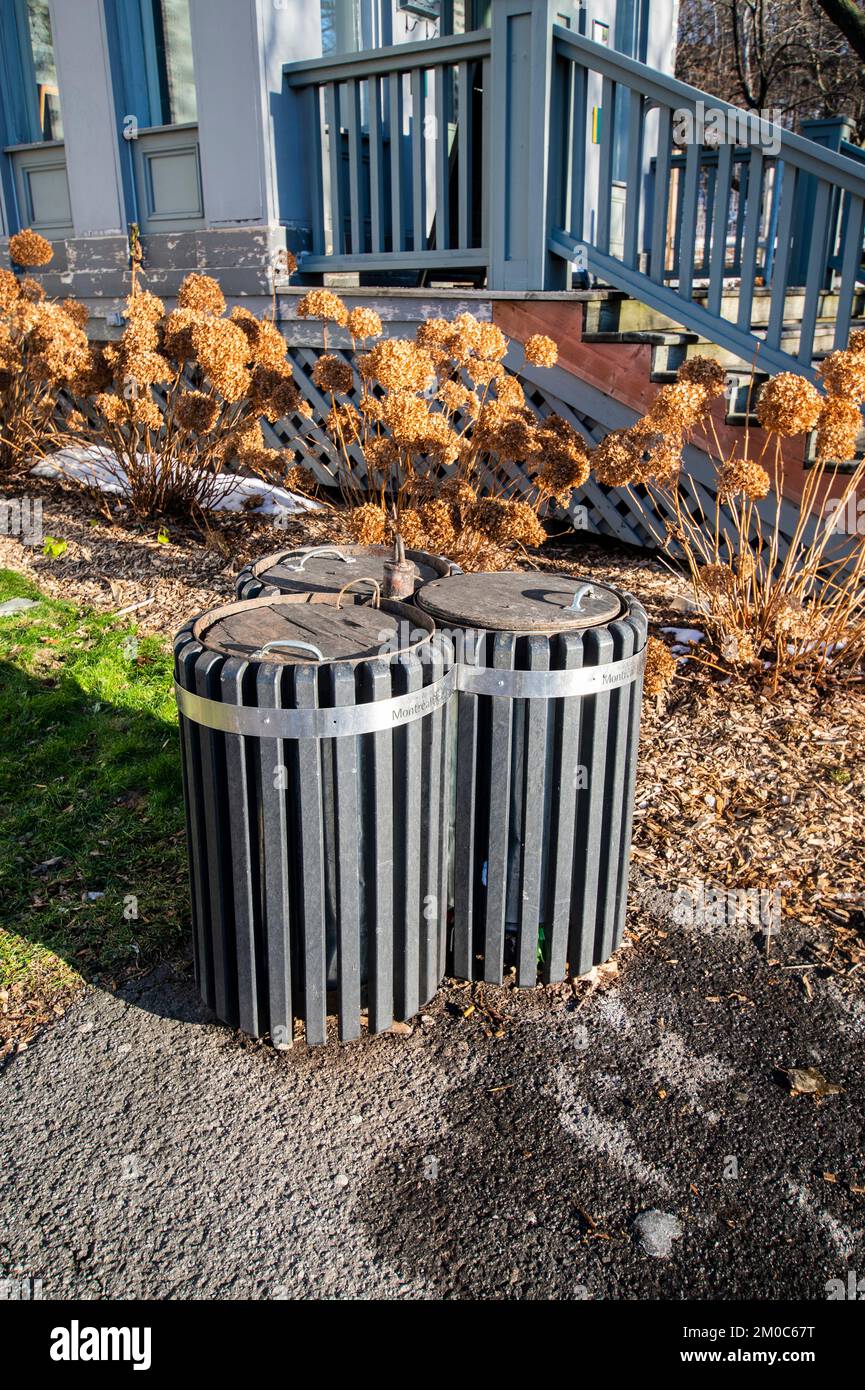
[
  {"x": 49, "y": 124},
  {"x": 168, "y": 56}
]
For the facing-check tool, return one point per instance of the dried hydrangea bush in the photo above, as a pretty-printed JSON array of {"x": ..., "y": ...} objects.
[
  {"x": 42, "y": 347},
  {"x": 803, "y": 610},
  {"x": 217, "y": 375},
  {"x": 425, "y": 430}
]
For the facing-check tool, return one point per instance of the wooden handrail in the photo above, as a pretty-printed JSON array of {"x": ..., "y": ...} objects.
[{"x": 398, "y": 57}]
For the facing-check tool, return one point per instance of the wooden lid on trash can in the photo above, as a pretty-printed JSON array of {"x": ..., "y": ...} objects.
[
  {"x": 312, "y": 632},
  {"x": 326, "y": 568},
  {"x": 525, "y": 601}
]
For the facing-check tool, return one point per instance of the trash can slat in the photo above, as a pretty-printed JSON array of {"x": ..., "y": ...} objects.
[
  {"x": 501, "y": 730},
  {"x": 567, "y": 716},
  {"x": 275, "y": 790},
  {"x": 534, "y": 714},
  {"x": 347, "y": 857},
  {"x": 376, "y": 685},
  {"x": 309, "y": 827},
  {"x": 207, "y": 683}
]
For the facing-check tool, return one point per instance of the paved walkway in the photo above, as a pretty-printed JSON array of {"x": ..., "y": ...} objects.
[{"x": 147, "y": 1152}]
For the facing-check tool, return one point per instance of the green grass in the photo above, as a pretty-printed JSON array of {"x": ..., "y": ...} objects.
[{"x": 91, "y": 800}]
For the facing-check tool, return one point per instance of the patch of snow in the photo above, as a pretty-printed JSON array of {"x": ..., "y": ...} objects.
[{"x": 101, "y": 469}]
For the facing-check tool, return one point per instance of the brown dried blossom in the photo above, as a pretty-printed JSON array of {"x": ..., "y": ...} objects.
[
  {"x": 399, "y": 364},
  {"x": 76, "y": 311},
  {"x": 742, "y": 477},
  {"x": 616, "y": 460},
  {"x": 223, "y": 352},
  {"x": 678, "y": 407},
  {"x": 9, "y": 290},
  {"x": 843, "y": 374},
  {"x": 32, "y": 289},
  {"x": 202, "y": 294},
  {"x": 504, "y": 521},
  {"x": 367, "y": 524},
  {"x": 144, "y": 305},
  {"x": 541, "y": 351},
  {"x": 838, "y": 430},
  {"x": 789, "y": 405},
  {"x": 433, "y": 333},
  {"x": 28, "y": 248},
  {"x": 196, "y": 411},
  {"x": 333, "y": 373},
  {"x": 660, "y": 667},
  {"x": 364, "y": 323},
  {"x": 323, "y": 304},
  {"x": 705, "y": 372}
]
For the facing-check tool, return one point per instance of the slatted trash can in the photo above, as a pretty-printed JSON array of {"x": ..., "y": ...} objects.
[
  {"x": 314, "y": 743},
  {"x": 548, "y": 714},
  {"x": 328, "y": 568}
]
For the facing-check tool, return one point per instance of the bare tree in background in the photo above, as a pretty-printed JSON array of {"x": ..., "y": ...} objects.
[{"x": 788, "y": 56}]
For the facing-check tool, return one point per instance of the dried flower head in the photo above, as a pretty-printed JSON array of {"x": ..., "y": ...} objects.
[
  {"x": 274, "y": 394},
  {"x": 195, "y": 411},
  {"x": 453, "y": 395},
  {"x": 144, "y": 411},
  {"x": 76, "y": 311},
  {"x": 857, "y": 341},
  {"x": 112, "y": 407},
  {"x": 32, "y": 289},
  {"x": 491, "y": 342},
  {"x": 838, "y": 430},
  {"x": 660, "y": 667},
  {"x": 843, "y": 374},
  {"x": 789, "y": 405},
  {"x": 223, "y": 352},
  {"x": 742, "y": 477},
  {"x": 9, "y": 290},
  {"x": 616, "y": 460},
  {"x": 364, "y": 323},
  {"x": 144, "y": 305},
  {"x": 503, "y": 521},
  {"x": 323, "y": 304},
  {"x": 717, "y": 580},
  {"x": 437, "y": 522},
  {"x": 177, "y": 330},
  {"x": 400, "y": 365},
  {"x": 28, "y": 248},
  {"x": 510, "y": 392},
  {"x": 483, "y": 372},
  {"x": 202, "y": 294},
  {"x": 659, "y": 455},
  {"x": 367, "y": 524},
  {"x": 433, "y": 333},
  {"x": 705, "y": 372},
  {"x": 738, "y": 649},
  {"x": 333, "y": 373},
  {"x": 541, "y": 351},
  {"x": 678, "y": 407}
]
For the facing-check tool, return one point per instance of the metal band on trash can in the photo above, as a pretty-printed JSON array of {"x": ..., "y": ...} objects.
[
  {"x": 341, "y": 722},
  {"x": 550, "y": 685}
]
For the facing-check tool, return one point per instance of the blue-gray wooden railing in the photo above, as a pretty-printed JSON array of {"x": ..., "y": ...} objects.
[
  {"x": 664, "y": 211},
  {"x": 527, "y": 151},
  {"x": 397, "y": 148}
]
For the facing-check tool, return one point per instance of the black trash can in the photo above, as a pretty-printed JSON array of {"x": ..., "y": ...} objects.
[
  {"x": 315, "y": 742},
  {"x": 328, "y": 568},
  {"x": 548, "y": 715}
]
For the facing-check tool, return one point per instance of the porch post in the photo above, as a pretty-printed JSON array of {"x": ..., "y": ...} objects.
[
  {"x": 89, "y": 122},
  {"x": 525, "y": 144},
  {"x": 239, "y": 47}
]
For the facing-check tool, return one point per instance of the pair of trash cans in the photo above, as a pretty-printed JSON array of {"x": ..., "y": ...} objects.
[{"x": 380, "y": 791}]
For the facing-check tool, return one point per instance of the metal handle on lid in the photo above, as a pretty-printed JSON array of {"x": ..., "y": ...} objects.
[
  {"x": 318, "y": 551},
  {"x": 362, "y": 579},
  {"x": 289, "y": 642},
  {"x": 583, "y": 591}
]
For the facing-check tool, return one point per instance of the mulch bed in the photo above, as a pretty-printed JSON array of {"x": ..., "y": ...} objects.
[{"x": 737, "y": 788}]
